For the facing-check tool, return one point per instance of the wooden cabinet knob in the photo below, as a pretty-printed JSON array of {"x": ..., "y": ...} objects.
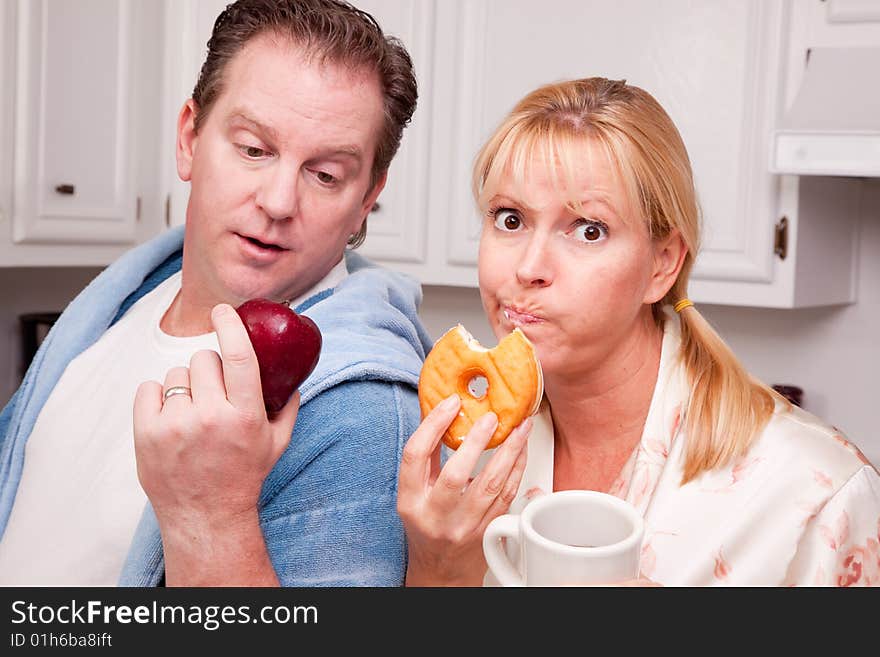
[{"x": 65, "y": 189}]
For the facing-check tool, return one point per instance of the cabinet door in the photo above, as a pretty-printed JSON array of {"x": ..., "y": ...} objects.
[
  {"x": 188, "y": 26},
  {"x": 74, "y": 119},
  {"x": 397, "y": 228},
  {"x": 712, "y": 65}
]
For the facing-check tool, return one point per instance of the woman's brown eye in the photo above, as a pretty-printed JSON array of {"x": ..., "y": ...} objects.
[
  {"x": 590, "y": 231},
  {"x": 253, "y": 151},
  {"x": 506, "y": 219}
]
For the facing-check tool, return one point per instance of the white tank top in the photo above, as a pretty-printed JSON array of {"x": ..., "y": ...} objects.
[{"x": 79, "y": 499}]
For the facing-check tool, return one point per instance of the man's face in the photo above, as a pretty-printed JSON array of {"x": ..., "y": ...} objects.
[{"x": 280, "y": 174}]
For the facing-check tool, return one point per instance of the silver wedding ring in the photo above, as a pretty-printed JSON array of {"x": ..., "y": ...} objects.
[{"x": 177, "y": 390}]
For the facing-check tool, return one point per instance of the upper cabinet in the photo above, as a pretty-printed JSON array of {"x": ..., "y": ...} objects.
[
  {"x": 78, "y": 129},
  {"x": 398, "y": 227},
  {"x": 721, "y": 69},
  {"x": 87, "y": 137}
]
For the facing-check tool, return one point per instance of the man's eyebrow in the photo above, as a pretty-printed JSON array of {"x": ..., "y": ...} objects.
[
  {"x": 252, "y": 124},
  {"x": 345, "y": 149},
  {"x": 348, "y": 150}
]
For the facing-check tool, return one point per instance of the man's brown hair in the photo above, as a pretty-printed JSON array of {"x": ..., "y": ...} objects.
[{"x": 332, "y": 31}]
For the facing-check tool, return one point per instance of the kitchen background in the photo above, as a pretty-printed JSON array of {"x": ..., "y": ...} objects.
[{"x": 92, "y": 88}]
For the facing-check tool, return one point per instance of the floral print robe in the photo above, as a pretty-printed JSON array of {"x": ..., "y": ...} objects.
[{"x": 802, "y": 507}]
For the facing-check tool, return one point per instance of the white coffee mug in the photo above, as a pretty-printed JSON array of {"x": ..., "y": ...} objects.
[{"x": 567, "y": 538}]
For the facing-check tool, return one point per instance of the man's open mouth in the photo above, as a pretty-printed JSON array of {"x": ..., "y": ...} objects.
[{"x": 262, "y": 245}]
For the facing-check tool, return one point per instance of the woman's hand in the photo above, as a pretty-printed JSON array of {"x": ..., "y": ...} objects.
[
  {"x": 202, "y": 459},
  {"x": 445, "y": 512}
]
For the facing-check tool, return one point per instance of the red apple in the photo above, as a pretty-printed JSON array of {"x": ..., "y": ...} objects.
[{"x": 287, "y": 347}]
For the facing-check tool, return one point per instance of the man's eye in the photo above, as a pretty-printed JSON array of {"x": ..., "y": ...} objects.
[
  {"x": 507, "y": 219},
  {"x": 588, "y": 230},
  {"x": 253, "y": 152},
  {"x": 325, "y": 177}
]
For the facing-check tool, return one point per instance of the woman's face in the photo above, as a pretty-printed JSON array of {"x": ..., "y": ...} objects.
[{"x": 577, "y": 284}]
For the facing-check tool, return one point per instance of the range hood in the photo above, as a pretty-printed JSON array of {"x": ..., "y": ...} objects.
[{"x": 833, "y": 126}]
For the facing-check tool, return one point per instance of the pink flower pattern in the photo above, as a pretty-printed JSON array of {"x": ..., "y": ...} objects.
[
  {"x": 642, "y": 485},
  {"x": 639, "y": 476},
  {"x": 859, "y": 564},
  {"x": 740, "y": 471},
  {"x": 743, "y": 468},
  {"x": 648, "y": 561},
  {"x": 838, "y": 536},
  {"x": 621, "y": 484},
  {"x": 657, "y": 447},
  {"x": 810, "y": 510},
  {"x": 722, "y": 568},
  {"x": 617, "y": 488},
  {"x": 823, "y": 479}
]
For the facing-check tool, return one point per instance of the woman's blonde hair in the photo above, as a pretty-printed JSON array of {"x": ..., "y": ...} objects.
[{"x": 727, "y": 408}]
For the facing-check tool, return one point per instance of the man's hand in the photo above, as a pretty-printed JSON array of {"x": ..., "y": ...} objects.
[{"x": 202, "y": 460}]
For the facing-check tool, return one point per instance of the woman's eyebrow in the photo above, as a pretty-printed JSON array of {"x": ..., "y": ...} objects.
[
  {"x": 505, "y": 200},
  {"x": 602, "y": 200}
]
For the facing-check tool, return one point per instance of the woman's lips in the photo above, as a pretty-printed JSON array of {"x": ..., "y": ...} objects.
[{"x": 519, "y": 317}]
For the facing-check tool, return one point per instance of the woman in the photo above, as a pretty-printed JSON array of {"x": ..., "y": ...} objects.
[{"x": 590, "y": 230}]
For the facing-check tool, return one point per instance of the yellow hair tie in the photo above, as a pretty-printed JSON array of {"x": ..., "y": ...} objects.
[{"x": 681, "y": 305}]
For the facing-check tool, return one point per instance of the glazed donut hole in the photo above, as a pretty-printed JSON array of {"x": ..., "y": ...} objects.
[{"x": 478, "y": 386}]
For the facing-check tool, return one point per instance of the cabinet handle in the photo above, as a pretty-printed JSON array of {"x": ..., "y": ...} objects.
[
  {"x": 66, "y": 188},
  {"x": 780, "y": 243},
  {"x": 376, "y": 207}
]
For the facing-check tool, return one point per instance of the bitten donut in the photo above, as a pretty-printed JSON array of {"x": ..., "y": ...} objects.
[{"x": 511, "y": 369}]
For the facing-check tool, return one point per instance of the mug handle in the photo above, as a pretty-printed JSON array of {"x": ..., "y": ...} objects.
[{"x": 506, "y": 526}]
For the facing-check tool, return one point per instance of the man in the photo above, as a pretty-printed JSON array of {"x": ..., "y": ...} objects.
[{"x": 286, "y": 142}]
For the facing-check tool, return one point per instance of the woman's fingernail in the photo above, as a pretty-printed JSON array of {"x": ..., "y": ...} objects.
[{"x": 449, "y": 403}]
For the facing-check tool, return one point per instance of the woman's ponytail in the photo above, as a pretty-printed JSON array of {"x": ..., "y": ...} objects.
[{"x": 727, "y": 408}]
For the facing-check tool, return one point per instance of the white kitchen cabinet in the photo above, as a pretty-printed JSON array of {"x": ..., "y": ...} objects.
[
  {"x": 720, "y": 69},
  {"x": 188, "y": 25},
  {"x": 78, "y": 129},
  {"x": 397, "y": 230},
  {"x": 724, "y": 70}
]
